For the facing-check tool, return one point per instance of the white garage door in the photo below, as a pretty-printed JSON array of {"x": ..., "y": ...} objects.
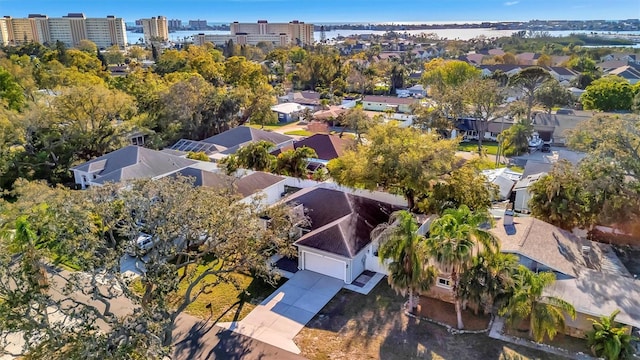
[{"x": 324, "y": 265}]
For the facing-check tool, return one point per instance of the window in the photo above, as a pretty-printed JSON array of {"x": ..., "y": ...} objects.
[{"x": 444, "y": 283}]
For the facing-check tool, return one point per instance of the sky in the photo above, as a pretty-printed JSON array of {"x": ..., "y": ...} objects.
[{"x": 317, "y": 11}]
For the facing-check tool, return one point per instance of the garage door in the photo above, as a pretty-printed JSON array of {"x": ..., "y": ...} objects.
[{"x": 324, "y": 265}]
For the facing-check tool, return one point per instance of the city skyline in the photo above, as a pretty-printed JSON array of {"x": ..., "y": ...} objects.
[{"x": 336, "y": 11}]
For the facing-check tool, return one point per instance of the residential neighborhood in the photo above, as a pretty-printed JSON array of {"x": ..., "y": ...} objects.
[{"x": 275, "y": 193}]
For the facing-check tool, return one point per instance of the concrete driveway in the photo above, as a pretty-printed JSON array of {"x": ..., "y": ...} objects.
[{"x": 281, "y": 316}]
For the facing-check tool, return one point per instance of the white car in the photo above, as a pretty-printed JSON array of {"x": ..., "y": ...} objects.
[{"x": 142, "y": 245}]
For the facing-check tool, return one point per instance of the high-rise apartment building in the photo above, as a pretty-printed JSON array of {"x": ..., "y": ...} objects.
[
  {"x": 198, "y": 24},
  {"x": 155, "y": 28},
  {"x": 174, "y": 24},
  {"x": 69, "y": 29},
  {"x": 278, "y": 34}
]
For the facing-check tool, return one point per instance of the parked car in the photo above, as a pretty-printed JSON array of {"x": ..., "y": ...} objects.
[
  {"x": 142, "y": 245},
  {"x": 546, "y": 148}
]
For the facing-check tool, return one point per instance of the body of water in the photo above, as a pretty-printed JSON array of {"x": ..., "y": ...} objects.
[{"x": 451, "y": 34}]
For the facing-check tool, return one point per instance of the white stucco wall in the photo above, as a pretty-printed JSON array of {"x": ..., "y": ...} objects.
[{"x": 522, "y": 200}]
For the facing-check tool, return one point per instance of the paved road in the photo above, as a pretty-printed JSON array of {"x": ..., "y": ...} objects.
[{"x": 197, "y": 339}]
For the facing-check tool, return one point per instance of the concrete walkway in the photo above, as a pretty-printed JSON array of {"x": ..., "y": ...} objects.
[{"x": 281, "y": 316}]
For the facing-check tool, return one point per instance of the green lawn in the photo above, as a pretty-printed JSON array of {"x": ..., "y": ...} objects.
[
  {"x": 299, "y": 132},
  {"x": 472, "y": 146},
  {"x": 271, "y": 126},
  {"x": 355, "y": 326},
  {"x": 224, "y": 302},
  {"x": 228, "y": 302}
]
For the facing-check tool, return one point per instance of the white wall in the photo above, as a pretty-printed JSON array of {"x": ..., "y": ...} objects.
[
  {"x": 522, "y": 200},
  {"x": 357, "y": 265},
  {"x": 373, "y": 262}
]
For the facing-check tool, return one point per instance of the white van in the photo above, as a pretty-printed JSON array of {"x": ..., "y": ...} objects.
[{"x": 142, "y": 245}]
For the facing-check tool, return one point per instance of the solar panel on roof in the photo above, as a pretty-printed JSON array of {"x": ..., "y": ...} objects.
[{"x": 194, "y": 146}]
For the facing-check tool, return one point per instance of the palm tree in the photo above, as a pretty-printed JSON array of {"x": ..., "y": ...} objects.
[
  {"x": 488, "y": 280},
  {"x": 455, "y": 239},
  {"x": 546, "y": 313},
  {"x": 516, "y": 138},
  {"x": 409, "y": 272},
  {"x": 609, "y": 340},
  {"x": 294, "y": 162}
]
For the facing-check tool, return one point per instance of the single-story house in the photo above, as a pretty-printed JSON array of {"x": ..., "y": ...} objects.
[
  {"x": 629, "y": 73},
  {"x": 337, "y": 241},
  {"x": 416, "y": 91},
  {"x": 386, "y": 103},
  {"x": 327, "y": 147},
  {"x": 308, "y": 99},
  {"x": 130, "y": 162},
  {"x": 468, "y": 128},
  {"x": 553, "y": 127},
  {"x": 288, "y": 112},
  {"x": 589, "y": 275},
  {"x": 257, "y": 185},
  {"x": 226, "y": 143}
]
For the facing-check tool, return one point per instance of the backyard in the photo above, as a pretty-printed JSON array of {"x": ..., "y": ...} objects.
[
  {"x": 490, "y": 147},
  {"x": 355, "y": 326}
]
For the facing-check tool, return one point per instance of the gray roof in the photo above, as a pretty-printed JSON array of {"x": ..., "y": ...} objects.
[
  {"x": 132, "y": 162},
  {"x": 528, "y": 180},
  {"x": 536, "y": 167},
  {"x": 255, "y": 182},
  {"x": 206, "y": 178},
  {"x": 599, "y": 293},
  {"x": 555, "y": 248},
  {"x": 341, "y": 223},
  {"x": 244, "y": 134},
  {"x": 596, "y": 281},
  {"x": 504, "y": 186}
]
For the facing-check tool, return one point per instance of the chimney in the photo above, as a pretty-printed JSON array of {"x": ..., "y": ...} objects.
[{"x": 508, "y": 217}]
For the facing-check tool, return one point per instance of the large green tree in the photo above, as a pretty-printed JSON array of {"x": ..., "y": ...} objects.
[
  {"x": 552, "y": 94},
  {"x": 196, "y": 247},
  {"x": 403, "y": 161},
  {"x": 403, "y": 251},
  {"x": 608, "y": 94},
  {"x": 528, "y": 81}
]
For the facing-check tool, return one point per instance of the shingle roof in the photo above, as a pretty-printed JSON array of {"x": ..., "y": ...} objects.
[
  {"x": 243, "y": 134},
  {"x": 555, "y": 248},
  {"x": 599, "y": 293},
  {"x": 132, "y": 162},
  {"x": 327, "y": 147},
  {"x": 255, "y": 182},
  {"x": 206, "y": 178},
  {"x": 341, "y": 223},
  {"x": 626, "y": 72}
]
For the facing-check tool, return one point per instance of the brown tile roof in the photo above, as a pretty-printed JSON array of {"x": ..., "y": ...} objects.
[
  {"x": 255, "y": 182},
  {"x": 341, "y": 223},
  {"x": 327, "y": 147}
]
